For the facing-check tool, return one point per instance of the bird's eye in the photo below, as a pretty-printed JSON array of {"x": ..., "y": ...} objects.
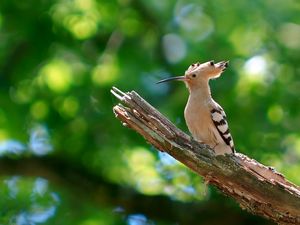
[
  {"x": 193, "y": 75},
  {"x": 211, "y": 63}
]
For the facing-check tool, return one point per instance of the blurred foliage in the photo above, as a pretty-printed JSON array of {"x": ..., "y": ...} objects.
[{"x": 58, "y": 61}]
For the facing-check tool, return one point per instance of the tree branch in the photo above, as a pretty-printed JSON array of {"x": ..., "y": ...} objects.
[{"x": 257, "y": 188}]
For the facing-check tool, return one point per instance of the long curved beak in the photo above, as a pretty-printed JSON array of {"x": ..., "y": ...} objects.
[{"x": 182, "y": 78}]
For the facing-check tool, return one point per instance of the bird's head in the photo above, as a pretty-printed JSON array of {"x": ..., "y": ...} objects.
[{"x": 199, "y": 72}]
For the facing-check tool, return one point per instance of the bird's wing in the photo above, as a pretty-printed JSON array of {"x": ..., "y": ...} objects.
[{"x": 219, "y": 119}]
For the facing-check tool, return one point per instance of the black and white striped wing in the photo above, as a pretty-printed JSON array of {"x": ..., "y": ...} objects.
[{"x": 219, "y": 118}]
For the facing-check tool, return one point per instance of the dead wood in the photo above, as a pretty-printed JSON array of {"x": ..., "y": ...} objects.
[{"x": 256, "y": 187}]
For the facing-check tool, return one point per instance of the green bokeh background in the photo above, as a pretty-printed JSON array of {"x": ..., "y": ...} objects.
[{"x": 65, "y": 159}]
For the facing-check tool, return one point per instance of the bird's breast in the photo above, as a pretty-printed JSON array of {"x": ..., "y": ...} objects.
[{"x": 197, "y": 118}]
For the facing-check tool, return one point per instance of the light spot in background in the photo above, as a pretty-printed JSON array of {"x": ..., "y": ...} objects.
[
  {"x": 130, "y": 25},
  {"x": 12, "y": 186},
  {"x": 106, "y": 72},
  {"x": 138, "y": 219},
  {"x": 255, "y": 74},
  {"x": 40, "y": 186},
  {"x": 255, "y": 67},
  {"x": 37, "y": 216},
  {"x": 174, "y": 47},
  {"x": 3, "y": 134},
  {"x": 182, "y": 185},
  {"x": 80, "y": 17},
  {"x": 39, "y": 110},
  {"x": 82, "y": 27},
  {"x": 95, "y": 221},
  {"x": 289, "y": 35},
  {"x": 166, "y": 159},
  {"x": 194, "y": 24},
  {"x": 275, "y": 114},
  {"x": 119, "y": 209},
  {"x": 142, "y": 172},
  {"x": 57, "y": 75},
  {"x": 84, "y": 4},
  {"x": 39, "y": 141},
  {"x": 69, "y": 107},
  {"x": 11, "y": 147},
  {"x": 41, "y": 204},
  {"x": 247, "y": 41}
]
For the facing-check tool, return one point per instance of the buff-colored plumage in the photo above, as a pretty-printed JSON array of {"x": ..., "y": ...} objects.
[{"x": 204, "y": 117}]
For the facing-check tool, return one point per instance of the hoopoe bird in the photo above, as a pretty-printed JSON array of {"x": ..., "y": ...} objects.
[{"x": 205, "y": 118}]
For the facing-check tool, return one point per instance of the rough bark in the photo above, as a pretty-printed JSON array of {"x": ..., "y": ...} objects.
[{"x": 257, "y": 188}]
